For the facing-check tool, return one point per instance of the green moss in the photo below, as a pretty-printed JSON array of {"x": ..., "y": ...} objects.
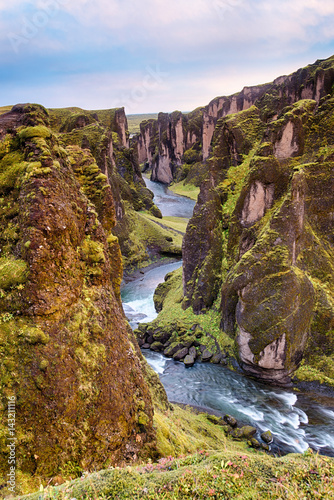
[
  {"x": 35, "y": 336},
  {"x": 12, "y": 272},
  {"x": 198, "y": 461},
  {"x": 38, "y": 131},
  {"x": 92, "y": 251}
]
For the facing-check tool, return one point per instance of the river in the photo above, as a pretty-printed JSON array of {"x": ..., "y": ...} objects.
[{"x": 297, "y": 420}]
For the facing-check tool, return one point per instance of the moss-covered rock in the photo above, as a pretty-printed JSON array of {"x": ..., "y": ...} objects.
[{"x": 77, "y": 380}]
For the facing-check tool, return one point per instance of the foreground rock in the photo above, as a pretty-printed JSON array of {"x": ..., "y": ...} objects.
[{"x": 68, "y": 362}]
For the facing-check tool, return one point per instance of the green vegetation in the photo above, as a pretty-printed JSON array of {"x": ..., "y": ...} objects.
[
  {"x": 134, "y": 121},
  {"x": 12, "y": 272},
  {"x": 188, "y": 190},
  {"x": 144, "y": 238},
  {"x": 175, "y": 316},
  {"x": 200, "y": 462},
  {"x": 178, "y": 224},
  {"x": 5, "y": 109}
]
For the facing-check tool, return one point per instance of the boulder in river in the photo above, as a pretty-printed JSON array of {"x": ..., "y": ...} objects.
[
  {"x": 193, "y": 352},
  {"x": 207, "y": 355},
  {"x": 157, "y": 346},
  {"x": 189, "y": 361},
  {"x": 182, "y": 353},
  {"x": 230, "y": 420},
  {"x": 267, "y": 437},
  {"x": 173, "y": 349}
]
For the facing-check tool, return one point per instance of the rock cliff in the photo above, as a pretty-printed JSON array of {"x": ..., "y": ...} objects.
[
  {"x": 172, "y": 140},
  {"x": 263, "y": 228},
  {"x": 162, "y": 143},
  {"x": 104, "y": 133},
  {"x": 66, "y": 350}
]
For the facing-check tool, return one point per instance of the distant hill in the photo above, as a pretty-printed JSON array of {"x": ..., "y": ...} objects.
[
  {"x": 4, "y": 109},
  {"x": 135, "y": 120}
]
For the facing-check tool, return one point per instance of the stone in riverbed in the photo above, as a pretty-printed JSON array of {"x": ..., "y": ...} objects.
[
  {"x": 189, "y": 361},
  {"x": 216, "y": 358},
  {"x": 248, "y": 431},
  {"x": 161, "y": 336},
  {"x": 267, "y": 437},
  {"x": 157, "y": 347},
  {"x": 254, "y": 443},
  {"x": 173, "y": 349},
  {"x": 182, "y": 353},
  {"x": 193, "y": 352},
  {"x": 207, "y": 355},
  {"x": 230, "y": 420},
  {"x": 146, "y": 346}
]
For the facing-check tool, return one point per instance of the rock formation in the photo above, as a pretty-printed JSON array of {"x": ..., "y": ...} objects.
[
  {"x": 263, "y": 228},
  {"x": 66, "y": 351},
  {"x": 163, "y": 143}
]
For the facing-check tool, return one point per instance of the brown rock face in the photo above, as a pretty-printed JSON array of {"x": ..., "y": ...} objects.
[
  {"x": 272, "y": 253},
  {"x": 66, "y": 352},
  {"x": 163, "y": 142}
]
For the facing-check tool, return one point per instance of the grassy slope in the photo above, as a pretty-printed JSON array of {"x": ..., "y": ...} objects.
[
  {"x": 188, "y": 190},
  {"x": 178, "y": 224},
  {"x": 210, "y": 322},
  {"x": 203, "y": 463},
  {"x": 5, "y": 109}
]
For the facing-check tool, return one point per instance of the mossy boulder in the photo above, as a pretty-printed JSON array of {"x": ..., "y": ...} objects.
[{"x": 71, "y": 365}]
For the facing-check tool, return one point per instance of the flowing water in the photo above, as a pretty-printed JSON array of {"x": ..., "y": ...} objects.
[
  {"x": 169, "y": 203},
  {"x": 297, "y": 420}
]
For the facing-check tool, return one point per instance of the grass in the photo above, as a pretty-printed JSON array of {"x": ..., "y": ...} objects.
[
  {"x": 200, "y": 462},
  {"x": 176, "y": 223},
  {"x": 188, "y": 190},
  {"x": 210, "y": 322},
  {"x": 5, "y": 109},
  {"x": 134, "y": 121}
]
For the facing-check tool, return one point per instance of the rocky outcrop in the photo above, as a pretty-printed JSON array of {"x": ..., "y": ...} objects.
[
  {"x": 272, "y": 220},
  {"x": 105, "y": 134},
  {"x": 163, "y": 142},
  {"x": 67, "y": 356},
  {"x": 162, "y": 152}
]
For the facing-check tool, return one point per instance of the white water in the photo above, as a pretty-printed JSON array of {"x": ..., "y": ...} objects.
[{"x": 297, "y": 421}]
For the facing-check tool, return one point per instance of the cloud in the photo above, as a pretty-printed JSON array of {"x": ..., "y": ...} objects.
[{"x": 95, "y": 53}]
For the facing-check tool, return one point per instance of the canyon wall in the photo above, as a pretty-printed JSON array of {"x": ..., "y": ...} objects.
[
  {"x": 261, "y": 238},
  {"x": 163, "y": 143},
  {"x": 67, "y": 355}
]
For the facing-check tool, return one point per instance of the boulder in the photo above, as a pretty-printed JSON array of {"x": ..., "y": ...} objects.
[
  {"x": 193, "y": 352},
  {"x": 182, "y": 353},
  {"x": 157, "y": 347},
  {"x": 216, "y": 358},
  {"x": 173, "y": 349},
  {"x": 254, "y": 443},
  {"x": 206, "y": 355},
  {"x": 267, "y": 437},
  {"x": 248, "y": 431},
  {"x": 231, "y": 420},
  {"x": 189, "y": 361}
]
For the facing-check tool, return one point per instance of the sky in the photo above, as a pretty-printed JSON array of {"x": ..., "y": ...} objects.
[{"x": 154, "y": 55}]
